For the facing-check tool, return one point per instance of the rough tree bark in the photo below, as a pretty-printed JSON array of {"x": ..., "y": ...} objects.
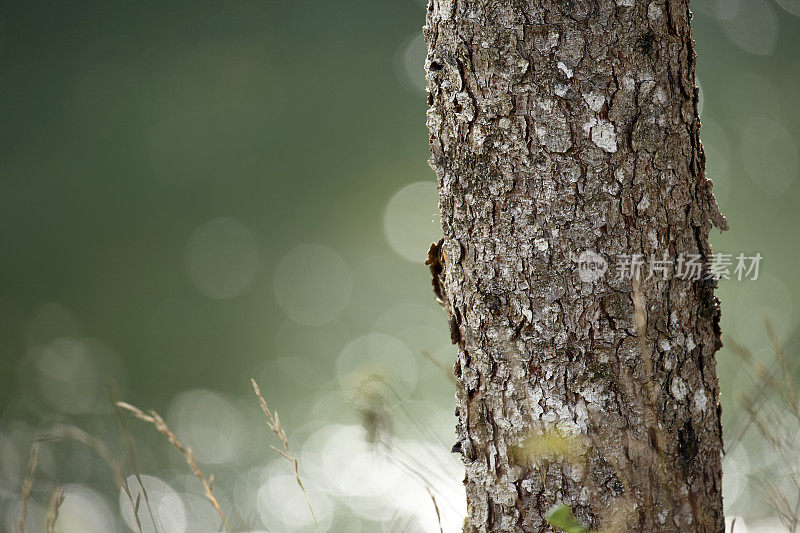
[{"x": 559, "y": 127}]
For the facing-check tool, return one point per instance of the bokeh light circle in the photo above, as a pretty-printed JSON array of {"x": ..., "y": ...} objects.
[
  {"x": 717, "y": 150},
  {"x": 736, "y": 465},
  {"x": 363, "y": 480},
  {"x": 377, "y": 364},
  {"x": 209, "y": 423},
  {"x": 280, "y": 500},
  {"x": 411, "y": 220},
  {"x": 750, "y": 24},
  {"x": 84, "y": 511},
  {"x": 70, "y": 374},
  {"x": 222, "y": 258},
  {"x": 409, "y": 63},
  {"x": 159, "y": 505},
  {"x": 764, "y": 299},
  {"x": 769, "y": 154},
  {"x": 792, "y": 6},
  {"x": 312, "y": 284}
]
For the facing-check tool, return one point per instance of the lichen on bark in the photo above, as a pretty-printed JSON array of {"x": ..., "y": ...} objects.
[{"x": 558, "y": 127}]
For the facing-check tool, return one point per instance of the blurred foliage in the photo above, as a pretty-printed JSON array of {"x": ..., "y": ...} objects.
[{"x": 560, "y": 516}]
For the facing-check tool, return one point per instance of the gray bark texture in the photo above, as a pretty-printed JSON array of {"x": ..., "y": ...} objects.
[{"x": 558, "y": 127}]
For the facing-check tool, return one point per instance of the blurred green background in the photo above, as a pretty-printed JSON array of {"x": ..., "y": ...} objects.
[{"x": 196, "y": 193}]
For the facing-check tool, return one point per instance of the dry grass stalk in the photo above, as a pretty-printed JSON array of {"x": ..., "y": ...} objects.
[
  {"x": 56, "y": 499},
  {"x": 775, "y": 429},
  {"x": 65, "y": 432},
  {"x": 447, "y": 371},
  {"x": 27, "y": 485},
  {"x": 274, "y": 424},
  {"x": 436, "y": 507},
  {"x": 130, "y": 453},
  {"x": 155, "y": 419},
  {"x": 767, "y": 383},
  {"x": 789, "y": 391}
]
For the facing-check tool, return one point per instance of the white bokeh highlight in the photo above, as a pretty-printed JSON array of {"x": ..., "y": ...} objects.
[
  {"x": 160, "y": 510},
  {"x": 387, "y": 484},
  {"x": 281, "y": 503},
  {"x": 84, "y": 511}
]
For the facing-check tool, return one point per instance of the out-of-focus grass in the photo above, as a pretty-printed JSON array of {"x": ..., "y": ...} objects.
[
  {"x": 772, "y": 410},
  {"x": 274, "y": 424},
  {"x": 161, "y": 426}
]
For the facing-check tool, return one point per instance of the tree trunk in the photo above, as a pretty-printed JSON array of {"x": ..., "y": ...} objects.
[{"x": 560, "y": 132}]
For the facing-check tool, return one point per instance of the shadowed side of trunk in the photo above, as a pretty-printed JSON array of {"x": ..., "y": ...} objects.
[{"x": 564, "y": 132}]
